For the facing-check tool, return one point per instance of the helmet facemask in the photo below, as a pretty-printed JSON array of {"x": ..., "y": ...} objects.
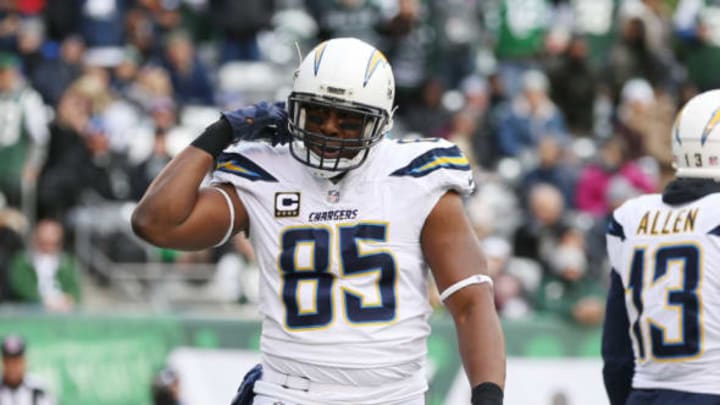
[
  {"x": 341, "y": 105},
  {"x": 331, "y": 155}
]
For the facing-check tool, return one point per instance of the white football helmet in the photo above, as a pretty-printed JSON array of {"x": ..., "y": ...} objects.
[
  {"x": 351, "y": 77},
  {"x": 696, "y": 137}
]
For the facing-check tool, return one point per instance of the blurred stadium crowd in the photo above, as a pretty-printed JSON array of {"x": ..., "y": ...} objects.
[{"x": 564, "y": 107}]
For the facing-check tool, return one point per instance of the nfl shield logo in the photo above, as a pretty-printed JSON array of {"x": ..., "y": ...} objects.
[
  {"x": 713, "y": 160},
  {"x": 333, "y": 196}
]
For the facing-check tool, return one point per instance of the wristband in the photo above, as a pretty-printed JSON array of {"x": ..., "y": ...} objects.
[
  {"x": 215, "y": 138},
  {"x": 487, "y": 393}
]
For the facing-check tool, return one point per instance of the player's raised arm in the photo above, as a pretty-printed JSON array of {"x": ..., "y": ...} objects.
[
  {"x": 457, "y": 262},
  {"x": 175, "y": 212}
]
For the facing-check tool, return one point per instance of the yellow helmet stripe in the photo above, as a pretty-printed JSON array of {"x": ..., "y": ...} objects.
[
  {"x": 712, "y": 123},
  {"x": 319, "y": 51},
  {"x": 677, "y": 126},
  {"x": 375, "y": 59}
]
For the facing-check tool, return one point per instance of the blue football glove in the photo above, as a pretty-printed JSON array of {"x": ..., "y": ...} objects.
[
  {"x": 260, "y": 121},
  {"x": 245, "y": 394}
]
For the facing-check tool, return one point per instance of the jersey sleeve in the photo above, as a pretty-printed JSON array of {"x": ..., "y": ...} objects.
[
  {"x": 618, "y": 365},
  {"x": 437, "y": 165},
  {"x": 615, "y": 236},
  {"x": 242, "y": 165},
  {"x": 425, "y": 171}
]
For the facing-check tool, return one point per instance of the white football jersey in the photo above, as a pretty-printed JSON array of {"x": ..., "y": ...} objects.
[
  {"x": 668, "y": 257},
  {"x": 343, "y": 280}
]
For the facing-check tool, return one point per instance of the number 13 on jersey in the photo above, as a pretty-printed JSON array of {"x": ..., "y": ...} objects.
[
  {"x": 671, "y": 338},
  {"x": 313, "y": 274}
]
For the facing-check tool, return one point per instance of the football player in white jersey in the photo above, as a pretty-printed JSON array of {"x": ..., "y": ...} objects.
[
  {"x": 661, "y": 338},
  {"x": 345, "y": 223}
]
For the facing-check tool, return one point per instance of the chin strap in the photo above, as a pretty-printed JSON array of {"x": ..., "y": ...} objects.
[{"x": 336, "y": 178}]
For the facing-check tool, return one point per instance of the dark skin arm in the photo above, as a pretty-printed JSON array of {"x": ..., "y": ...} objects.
[
  {"x": 175, "y": 213},
  {"x": 453, "y": 253}
]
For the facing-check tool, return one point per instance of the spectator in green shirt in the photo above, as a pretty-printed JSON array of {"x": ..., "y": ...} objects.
[
  {"x": 46, "y": 274},
  {"x": 567, "y": 291}
]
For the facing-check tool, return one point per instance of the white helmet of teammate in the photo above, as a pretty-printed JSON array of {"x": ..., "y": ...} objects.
[
  {"x": 696, "y": 137},
  {"x": 354, "y": 78}
]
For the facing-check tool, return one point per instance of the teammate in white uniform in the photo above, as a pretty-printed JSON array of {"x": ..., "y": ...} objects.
[
  {"x": 345, "y": 224},
  {"x": 661, "y": 340}
]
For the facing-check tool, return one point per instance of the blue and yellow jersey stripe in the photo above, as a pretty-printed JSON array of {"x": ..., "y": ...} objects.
[
  {"x": 237, "y": 164},
  {"x": 439, "y": 158}
]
